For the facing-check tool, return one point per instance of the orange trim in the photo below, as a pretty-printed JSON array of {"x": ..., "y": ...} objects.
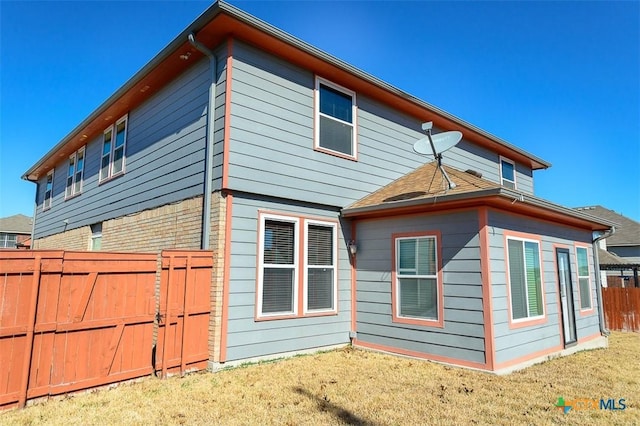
[
  {"x": 514, "y": 324},
  {"x": 528, "y": 357},
  {"x": 227, "y": 115},
  {"x": 558, "y": 296},
  {"x": 591, "y": 310},
  {"x": 422, "y": 355},
  {"x": 301, "y": 266},
  {"x": 225, "y": 280},
  {"x": 487, "y": 298},
  {"x": 354, "y": 277},
  {"x": 589, "y": 338},
  {"x": 394, "y": 284},
  {"x": 335, "y": 153}
]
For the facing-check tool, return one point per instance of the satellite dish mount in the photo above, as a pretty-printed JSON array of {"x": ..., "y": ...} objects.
[{"x": 438, "y": 143}]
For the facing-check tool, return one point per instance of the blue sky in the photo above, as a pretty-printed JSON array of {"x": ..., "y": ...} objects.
[{"x": 558, "y": 79}]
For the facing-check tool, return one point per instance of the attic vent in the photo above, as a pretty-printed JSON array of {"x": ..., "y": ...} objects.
[{"x": 474, "y": 173}]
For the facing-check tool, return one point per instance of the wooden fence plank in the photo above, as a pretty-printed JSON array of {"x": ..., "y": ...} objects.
[
  {"x": 622, "y": 308},
  {"x": 33, "y": 304}
]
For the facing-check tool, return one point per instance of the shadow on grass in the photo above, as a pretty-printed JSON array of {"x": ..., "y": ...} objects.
[{"x": 340, "y": 413}]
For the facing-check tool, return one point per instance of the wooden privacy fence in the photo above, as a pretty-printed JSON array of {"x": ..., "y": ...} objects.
[
  {"x": 621, "y": 308},
  {"x": 74, "y": 320}
]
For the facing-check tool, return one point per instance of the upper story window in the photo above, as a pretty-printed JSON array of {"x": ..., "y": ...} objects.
[
  {"x": 584, "y": 282},
  {"x": 48, "y": 192},
  {"x": 114, "y": 142},
  {"x": 507, "y": 173},
  {"x": 74, "y": 174},
  {"x": 8, "y": 240},
  {"x": 335, "y": 117},
  {"x": 525, "y": 279}
]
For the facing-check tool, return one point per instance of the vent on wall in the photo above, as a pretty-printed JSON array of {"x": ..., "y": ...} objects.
[{"x": 474, "y": 173}]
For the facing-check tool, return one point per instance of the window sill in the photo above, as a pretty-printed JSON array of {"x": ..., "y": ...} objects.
[
  {"x": 587, "y": 312},
  {"x": 418, "y": 321},
  {"x": 110, "y": 178},
  {"x": 513, "y": 324},
  {"x": 296, "y": 316},
  {"x": 70, "y": 197},
  {"x": 336, "y": 153}
]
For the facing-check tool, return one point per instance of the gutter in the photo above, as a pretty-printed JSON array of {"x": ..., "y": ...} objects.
[
  {"x": 596, "y": 265},
  {"x": 208, "y": 166}
]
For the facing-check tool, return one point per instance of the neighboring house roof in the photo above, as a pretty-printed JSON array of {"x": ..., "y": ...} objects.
[
  {"x": 16, "y": 224},
  {"x": 610, "y": 260},
  {"x": 627, "y": 230},
  {"x": 214, "y": 27},
  {"x": 425, "y": 189}
]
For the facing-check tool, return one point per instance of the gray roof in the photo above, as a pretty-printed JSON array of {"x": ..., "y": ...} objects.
[
  {"x": 627, "y": 230},
  {"x": 16, "y": 224},
  {"x": 612, "y": 261}
]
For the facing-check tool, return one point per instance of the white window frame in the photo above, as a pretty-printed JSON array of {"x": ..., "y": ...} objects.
[
  {"x": 261, "y": 264},
  {"x": 504, "y": 179},
  {"x": 317, "y": 114},
  {"x": 70, "y": 188},
  {"x": 587, "y": 277},
  {"x": 96, "y": 233},
  {"x": 398, "y": 275},
  {"x": 111, "y": 154},
  {"x": 526, "y": 318},
  {"x": 48, "y": 201},
  {"x": 334, "y": 266},
  {"x": 4, "y": 240}
]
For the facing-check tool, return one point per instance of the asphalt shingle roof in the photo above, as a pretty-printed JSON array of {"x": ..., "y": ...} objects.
[
  {"x": 627, "y": 230},
  {"x": 16, "y": 224}
]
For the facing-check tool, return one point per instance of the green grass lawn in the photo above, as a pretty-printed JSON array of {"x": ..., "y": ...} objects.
[{"x": 352, "y": 386}]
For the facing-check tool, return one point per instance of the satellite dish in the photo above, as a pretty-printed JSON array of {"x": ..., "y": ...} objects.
[
  {"x": 435, "y": 145},
  {"x": 441, "y": 142}
]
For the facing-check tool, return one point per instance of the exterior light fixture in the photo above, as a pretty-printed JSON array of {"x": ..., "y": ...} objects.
[{"x": 353, "y": 248}]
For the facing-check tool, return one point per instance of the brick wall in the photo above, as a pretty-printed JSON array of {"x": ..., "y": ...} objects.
[{"x": 172, "y": 226}]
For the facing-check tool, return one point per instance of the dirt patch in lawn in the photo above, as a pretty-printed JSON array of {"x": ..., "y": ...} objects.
[{"x": 351, "y": 386}]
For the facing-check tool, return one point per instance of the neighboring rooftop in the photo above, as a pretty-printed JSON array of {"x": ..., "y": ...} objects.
[
  {"x": 612, "y": 261},
  {"x": 16, "y": 224},
  {"x": 627, "y": 230}
]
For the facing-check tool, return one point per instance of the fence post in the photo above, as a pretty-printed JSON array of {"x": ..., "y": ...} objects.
[
  {"x": 185, "y": 314},
  {"x": 33, "y": 307},
  {"x": 165, "y": 342}
]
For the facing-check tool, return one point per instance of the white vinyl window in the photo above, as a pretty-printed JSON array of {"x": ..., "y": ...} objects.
[
  {"x": 95, "y": 243},
  {"x": 417, "y": 278},
  {"x": 335, "y": 114},
  {"x": 320, "y": 264},
  {"x": 8, "y": 240},
  {"x": 525, "y": 279},
  {"x": 114, "y": 142},
  {"x": 48, "y": 191},
  {"x": 75, "y": 173},
  {"x": 507, "y": 173},
  {"x": 584, "y": 283},
  {"x": 279, "y": 263}
]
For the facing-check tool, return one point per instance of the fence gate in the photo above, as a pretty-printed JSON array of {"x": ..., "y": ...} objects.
[
  {"x": 183, "y": 317},
  {"x": 75, "y": 320}
]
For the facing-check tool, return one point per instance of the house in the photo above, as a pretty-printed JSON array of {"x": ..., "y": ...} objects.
[
  {"x": 297, "y": 169},
  {"x": 15, "y": 231},
  {"x": 619, "y": 253}
]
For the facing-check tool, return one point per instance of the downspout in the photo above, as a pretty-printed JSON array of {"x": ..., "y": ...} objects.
[
  {"x": 596, "y": 265},
  {"x": 208, "y": 167}
]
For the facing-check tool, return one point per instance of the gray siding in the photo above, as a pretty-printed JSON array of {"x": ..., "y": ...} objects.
[
  {"x": 164, "y": 157},
  {"x": 462, "y": 337},
  {"x": 518, "y": 342},
  {"x": 248, "y": 338},
  {"x": 271, "y": 134}
]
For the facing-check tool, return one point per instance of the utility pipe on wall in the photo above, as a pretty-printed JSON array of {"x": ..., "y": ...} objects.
[
  {"x": 208, "y": 167},
  {"x": 596, "y": 266}
]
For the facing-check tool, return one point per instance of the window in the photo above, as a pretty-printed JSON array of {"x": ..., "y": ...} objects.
[
  {"x": 279, "y": 269},
  {"x": 48, "y": 192},
  {"x": 335, "y": 119},
  {"x": 114, "y": 141},
  {"x": 297, "y": 259},
  {"x": 320, "y": 266},
  {"x": 507, "y": 173},
  {"x": 8, "y": 240},
  {"x": 583, "y": 278},
  {"x": 525, "y": 279},
  {"x": 95, "y": 244},
  {"x": 416, "y": 283},
  {"x": 74, "y": 175}
]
